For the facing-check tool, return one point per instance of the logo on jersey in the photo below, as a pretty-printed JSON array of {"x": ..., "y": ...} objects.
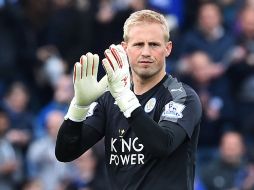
[
  {"x": 91, "y": 109},
  {"x": 121, "y": 133},
  {"x": 173, "y": 110},
  {"x": 150, "y": 105},
  {"x": 177, "y": 89},
  {"x": 126, "y": 151}
]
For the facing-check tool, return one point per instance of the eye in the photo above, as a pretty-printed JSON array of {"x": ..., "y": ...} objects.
[
  {"x": 153, "y": 44},
  {"x": 138, "y": 44}
]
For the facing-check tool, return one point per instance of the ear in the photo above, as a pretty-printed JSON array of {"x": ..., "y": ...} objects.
[
  {"x": 168, "y": 48},
  {"x": 124, "y": 44}
]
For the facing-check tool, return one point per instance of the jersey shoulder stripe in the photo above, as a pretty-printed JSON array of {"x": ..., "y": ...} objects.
[{"x": 176, "y": 89}]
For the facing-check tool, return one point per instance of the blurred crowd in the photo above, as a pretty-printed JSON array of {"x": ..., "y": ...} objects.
[{"x": 40, "y": 40}]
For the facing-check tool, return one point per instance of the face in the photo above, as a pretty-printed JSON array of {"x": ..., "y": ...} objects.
[
  {"x": 64, "y": 89},
  {"x": 247, "y": 22},
  {"x": 209, "y": 17},
  {"x": 18, "y": 99},
  {"x": 232, "y": 147},
  {"x": 54, "y": 121},
  {"x": 200, "y": 66},
  {"x": 147, "y": 49}
]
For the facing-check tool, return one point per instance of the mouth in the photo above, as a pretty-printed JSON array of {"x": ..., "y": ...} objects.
[{"x": 144, "y": 62}]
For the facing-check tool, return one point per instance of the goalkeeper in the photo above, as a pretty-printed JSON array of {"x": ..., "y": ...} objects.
[{"x": 150, "y": 120}]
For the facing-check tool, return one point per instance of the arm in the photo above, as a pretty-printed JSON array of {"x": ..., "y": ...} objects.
[
  {"x": 159, "y": 139},
  {"x": 74, "y": 139}
]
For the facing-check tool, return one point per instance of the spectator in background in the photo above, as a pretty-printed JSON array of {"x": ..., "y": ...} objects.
[
  {"x": 15, "y": 103},
  {"x": 85, "y": 173},
  {"x": 8, "y": 161},
  {"x": 70, "y": 30},
  {"x": 52, "y": 66},
  {"x": 104, "y": 15},
  {"x": 204, "y": 76},
  {"x": 41, "y": 155},
  {"x": 63, "y": 93},
  {"x": 24, "y": 30},
  {"x": 241, "y": 67},
  {"x": 223, "y": 171},
  {"x": 30, "y": 26},
  {"x": 230, "y": 10},
  {"x": 20, "y": 133},
  {"x": 209, "y": 35},
  {"x": 8, "y": 51},
  {"x": 172, "y": 9}
]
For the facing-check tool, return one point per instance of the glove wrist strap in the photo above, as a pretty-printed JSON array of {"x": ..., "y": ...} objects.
[
  {"x": 127, "y": 103},
  {"x": 76, "y": 113}
]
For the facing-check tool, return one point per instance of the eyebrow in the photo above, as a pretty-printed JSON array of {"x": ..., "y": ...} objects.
[{"x": 150, "y": 43}]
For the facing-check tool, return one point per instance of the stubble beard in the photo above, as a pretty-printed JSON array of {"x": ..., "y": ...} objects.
[{"x": 145, "y": 74}]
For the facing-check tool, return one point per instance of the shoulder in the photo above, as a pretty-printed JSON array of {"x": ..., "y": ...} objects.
[
  {"x": 183, "y": 94},
  {"x": 41, "y": 142},
  {"x": 183, "y": 107},
  {"x": 179, "y": 90},
  {"x": 39, "y": 145}
]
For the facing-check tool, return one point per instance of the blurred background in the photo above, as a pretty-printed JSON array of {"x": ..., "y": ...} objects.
[{"x": 40, "y": 40}]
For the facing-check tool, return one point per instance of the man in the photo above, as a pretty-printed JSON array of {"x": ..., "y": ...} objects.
[
  {"x": 151, "y": 129},
  {"x": 208, "y": 34},
  {"x": 227, "y": 170}
]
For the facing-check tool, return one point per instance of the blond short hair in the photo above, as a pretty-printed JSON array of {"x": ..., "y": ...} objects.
[{"x": 145, "y": 16}]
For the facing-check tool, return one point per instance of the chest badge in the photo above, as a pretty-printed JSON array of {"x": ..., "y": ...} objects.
[{"x": 150, "y": 105}]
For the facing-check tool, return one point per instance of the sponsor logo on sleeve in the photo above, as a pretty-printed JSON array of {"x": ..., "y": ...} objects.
[
  {"x": 173, "y": 110},
  {"x": 177, "y": 89}
]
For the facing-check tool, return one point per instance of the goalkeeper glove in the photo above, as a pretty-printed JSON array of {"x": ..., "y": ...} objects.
[
  {"x": 86, "y": 87},
  {"x": 116, "y": 66}
]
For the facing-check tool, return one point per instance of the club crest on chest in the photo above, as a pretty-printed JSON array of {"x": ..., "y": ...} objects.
[{"x": 150, "y": 105}]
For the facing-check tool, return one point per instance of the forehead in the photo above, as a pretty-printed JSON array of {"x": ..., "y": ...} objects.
[
  {"x": 209, "y": 9},
  {"x": 146, "y": 32}
]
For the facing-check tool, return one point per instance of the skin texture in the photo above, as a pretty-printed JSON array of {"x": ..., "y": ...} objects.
[{"x": 147, "y": 50}]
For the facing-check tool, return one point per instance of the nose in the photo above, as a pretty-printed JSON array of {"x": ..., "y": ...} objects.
[{"x": 146, "y": 51}]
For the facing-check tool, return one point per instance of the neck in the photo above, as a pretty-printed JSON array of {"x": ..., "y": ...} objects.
[
  {"x": 142, "y": 85},
  {"x": 215, "y": 33}
]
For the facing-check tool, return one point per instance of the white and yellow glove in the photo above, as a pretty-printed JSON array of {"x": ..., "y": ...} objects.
[
  {"x": 116, "y": 66},
  {"x": 86, "y": 87}
]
